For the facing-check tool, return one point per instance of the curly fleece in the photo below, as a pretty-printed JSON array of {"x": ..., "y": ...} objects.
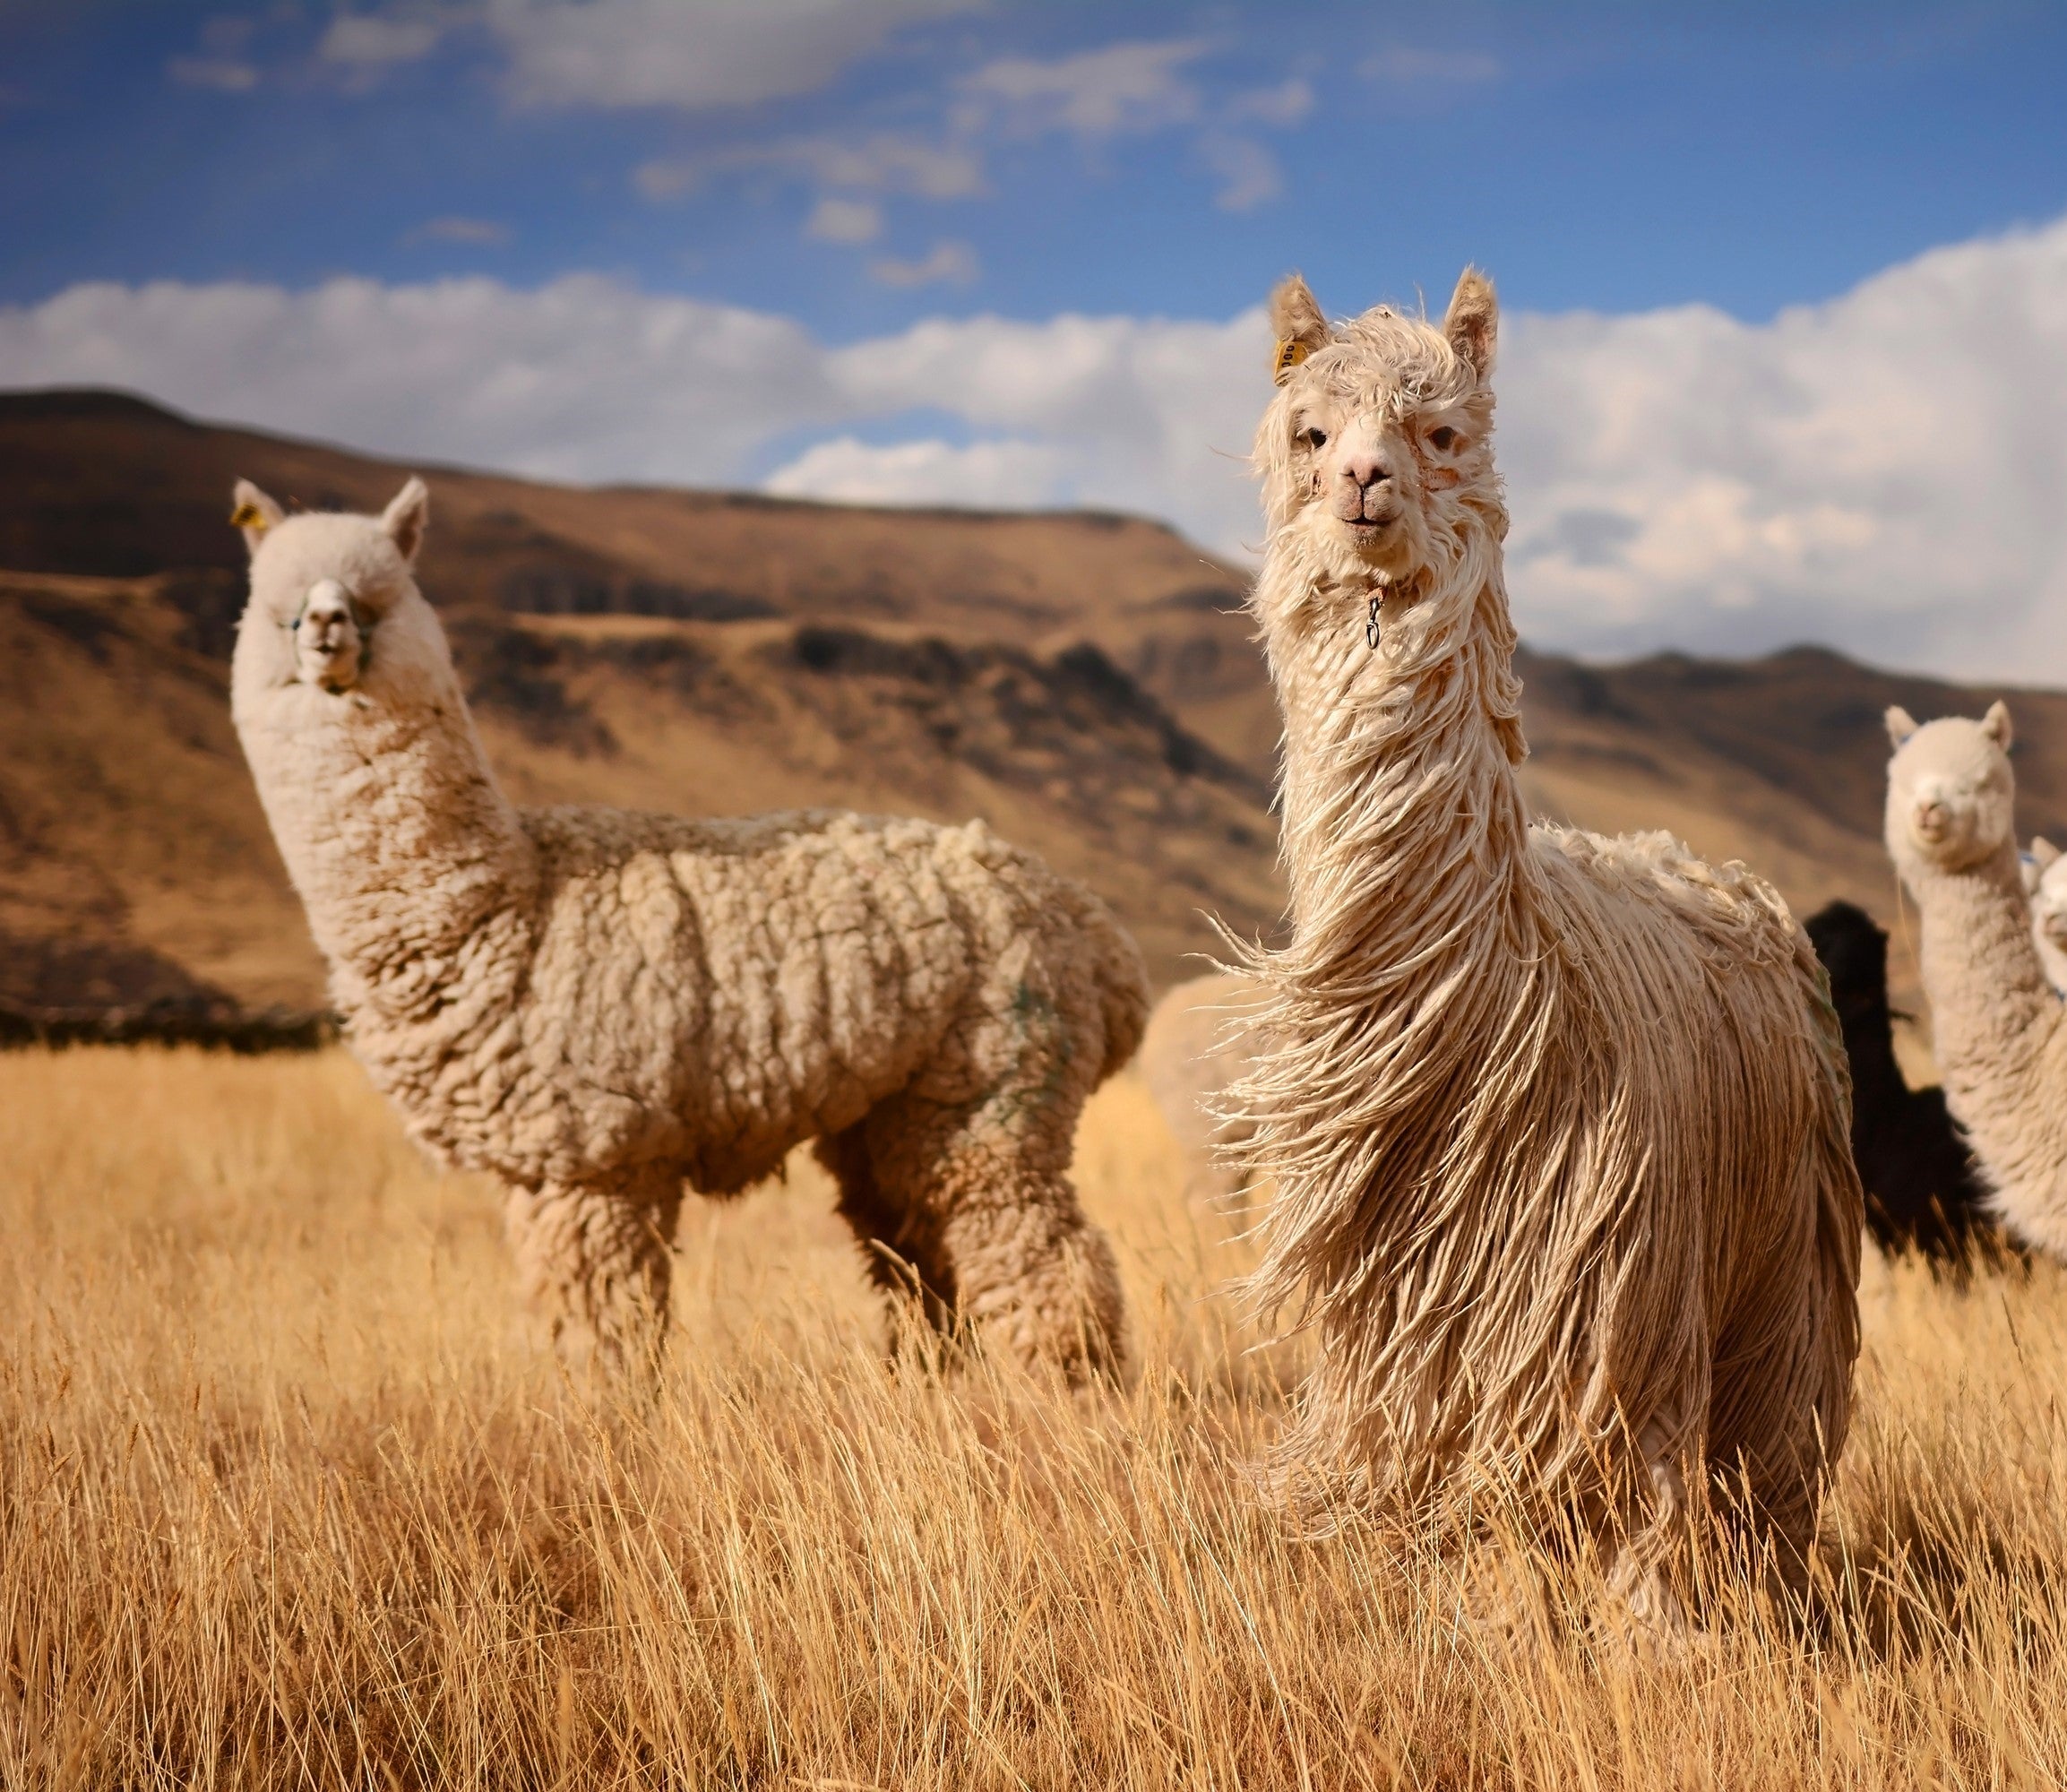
[{"x": 600, "y": 1006}]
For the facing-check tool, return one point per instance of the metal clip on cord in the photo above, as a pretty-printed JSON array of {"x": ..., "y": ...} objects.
[{"x": 1371, "y": 633}]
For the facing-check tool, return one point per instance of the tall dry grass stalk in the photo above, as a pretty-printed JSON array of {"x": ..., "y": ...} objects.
[{"x": 290, "y": 1496}]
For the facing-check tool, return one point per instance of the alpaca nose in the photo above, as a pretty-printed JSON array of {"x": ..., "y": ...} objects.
[
  {"x": 326, "y": 597},
  {"x": 1367, "y": 467},
  {"x": 1933, "y": 818}
]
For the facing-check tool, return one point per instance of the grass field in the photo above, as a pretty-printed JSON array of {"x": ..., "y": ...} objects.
[{"x": 291, "y": 1495}]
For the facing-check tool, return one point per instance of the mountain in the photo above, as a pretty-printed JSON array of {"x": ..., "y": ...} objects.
[{"x": 1086, "y": 682}]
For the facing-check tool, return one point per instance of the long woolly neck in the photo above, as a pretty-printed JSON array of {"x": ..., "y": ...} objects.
[
  {"x": 1418, "y": 957},
  {"x": 400, "y": 843},
  {"x": 1403, "y": 823},
  {"x": 1992, "y": 1013}
]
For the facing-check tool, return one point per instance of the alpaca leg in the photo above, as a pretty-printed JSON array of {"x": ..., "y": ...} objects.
[
  {"x": 1769, "y": 1505},
  {"x": 899, "y": 1244},
  {"x": 1640, "y": 1578},
  {"x": 598, "y": 1258},
  {"x": 999, "y": 1224}
]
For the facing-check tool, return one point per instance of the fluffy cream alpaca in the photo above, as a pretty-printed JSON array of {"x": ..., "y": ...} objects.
[
  {"x": 599, "y": 1006},
  {"x": 2045, "y": 883},
  {"x": 1998, "y": 1029},
  {"x": 1557, "y": 1122}
]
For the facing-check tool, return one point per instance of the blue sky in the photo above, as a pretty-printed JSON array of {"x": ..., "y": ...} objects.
[
  {"x": 1785, "y": 286},
  {"x": 1146, "y": 159}
]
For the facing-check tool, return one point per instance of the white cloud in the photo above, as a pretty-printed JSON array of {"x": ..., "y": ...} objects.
[
  {"x": 479, "y": 233},
  {"x": 845, "y": 220},
  {"x": 221, "y": 66},
  {"x": 1097, "y": 93},
  {"x": 585, "y": 379},
  {"x": 217, "y": 74},
  {"x": 952, "y": 261},
  {"x": 1400, "y": 66},
  {"x": 1288, "y": 103},
  {"x": 1884, "y": 471},
  {"x": 883, "y": 162},
  {"x": 372, "y": 42},
  {"x": 886, "y": 162},
  {"x": 1142, "y": 414},
  {"x": 981, "y": 475},
  {"x": 690, "y": 54},
  {"x": 581, "y": 379},
  {"x": 1249, "y": 173}
]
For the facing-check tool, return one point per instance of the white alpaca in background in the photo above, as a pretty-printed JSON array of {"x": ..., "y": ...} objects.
[
  {"x": 1558, "y": 1124},
  {"x": 1998, "y": 1029},
  {"x": 600, "y": 1006}
]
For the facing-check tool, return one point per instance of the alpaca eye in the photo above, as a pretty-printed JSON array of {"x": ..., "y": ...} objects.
[
  {"x": 1442, "y": 438},
  {"x": 1315, "y": 438}
]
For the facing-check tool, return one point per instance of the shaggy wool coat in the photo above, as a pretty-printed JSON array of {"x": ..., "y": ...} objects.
[
  {"x": 1556, "y": 1123},
  {"x": 599, "y": 1006}
]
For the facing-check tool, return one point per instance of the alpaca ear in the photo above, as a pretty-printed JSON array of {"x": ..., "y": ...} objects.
[
  {"x": 1901, "y": 725},
  {"x": 1995, "y": 724},
  {"x": 1473, "y": 320},
  {"x": 407, "y": 518},
  {"x": 252, "y": 512},
  {"x": 1295, "y": 317},
  {"x": 2042, "y": 851}
]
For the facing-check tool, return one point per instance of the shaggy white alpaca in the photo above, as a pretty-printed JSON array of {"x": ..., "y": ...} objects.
[
  {"x": 1557, "y": 1122},
  {"x": 2045, "y": 884},
  {"x": 599, "y": 1006},
  {"x": 1998, "y": 1029}
]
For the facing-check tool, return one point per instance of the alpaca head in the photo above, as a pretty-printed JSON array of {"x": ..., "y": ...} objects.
[
  {"x": 2046, "y": 882},
  {"x": 1376, "y": 455},
  {"x": 1951, "y": 796},
  {"x": 333, "y": 606}
]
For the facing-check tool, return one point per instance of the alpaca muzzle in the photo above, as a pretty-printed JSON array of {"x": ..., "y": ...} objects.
[
  {"x": 1373, "y": 502},
  {"x": 329, "y": 642}
]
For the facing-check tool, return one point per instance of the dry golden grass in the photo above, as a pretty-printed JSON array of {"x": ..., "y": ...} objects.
[{"x": 291, "y": 1495}]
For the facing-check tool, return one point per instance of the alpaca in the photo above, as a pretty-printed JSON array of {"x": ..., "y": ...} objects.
[
  {"x": 1558, "y": 1123},
  {"x": 600, "y": 1007},
  {"x": 2045, "y": 884},
  {"x": 1924, "y": 1189},
  {"x": 1997, "y": 1028},
  {"x": 1192, "y": 1051}
]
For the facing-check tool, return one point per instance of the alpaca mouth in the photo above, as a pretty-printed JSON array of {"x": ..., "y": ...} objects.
[{"x": 334, "y": 669}]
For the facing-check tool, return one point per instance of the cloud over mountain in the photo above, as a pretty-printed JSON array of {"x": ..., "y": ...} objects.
[{"x": 1885, "y": 471}]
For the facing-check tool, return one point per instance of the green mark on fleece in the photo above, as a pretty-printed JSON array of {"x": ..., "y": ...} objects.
[{"x": 1034, "y": 1019}]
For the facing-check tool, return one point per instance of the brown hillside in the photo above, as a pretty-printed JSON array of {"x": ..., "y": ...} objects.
[{"x": 1083, "y": 681}]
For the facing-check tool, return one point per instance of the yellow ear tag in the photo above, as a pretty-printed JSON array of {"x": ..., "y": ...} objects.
[
  {"x": 1288, "y": 356},
  {"x": 248, "y": 516}
]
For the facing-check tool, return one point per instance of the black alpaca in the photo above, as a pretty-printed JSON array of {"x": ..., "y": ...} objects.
[{"x": 1924, "y": 1189}]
